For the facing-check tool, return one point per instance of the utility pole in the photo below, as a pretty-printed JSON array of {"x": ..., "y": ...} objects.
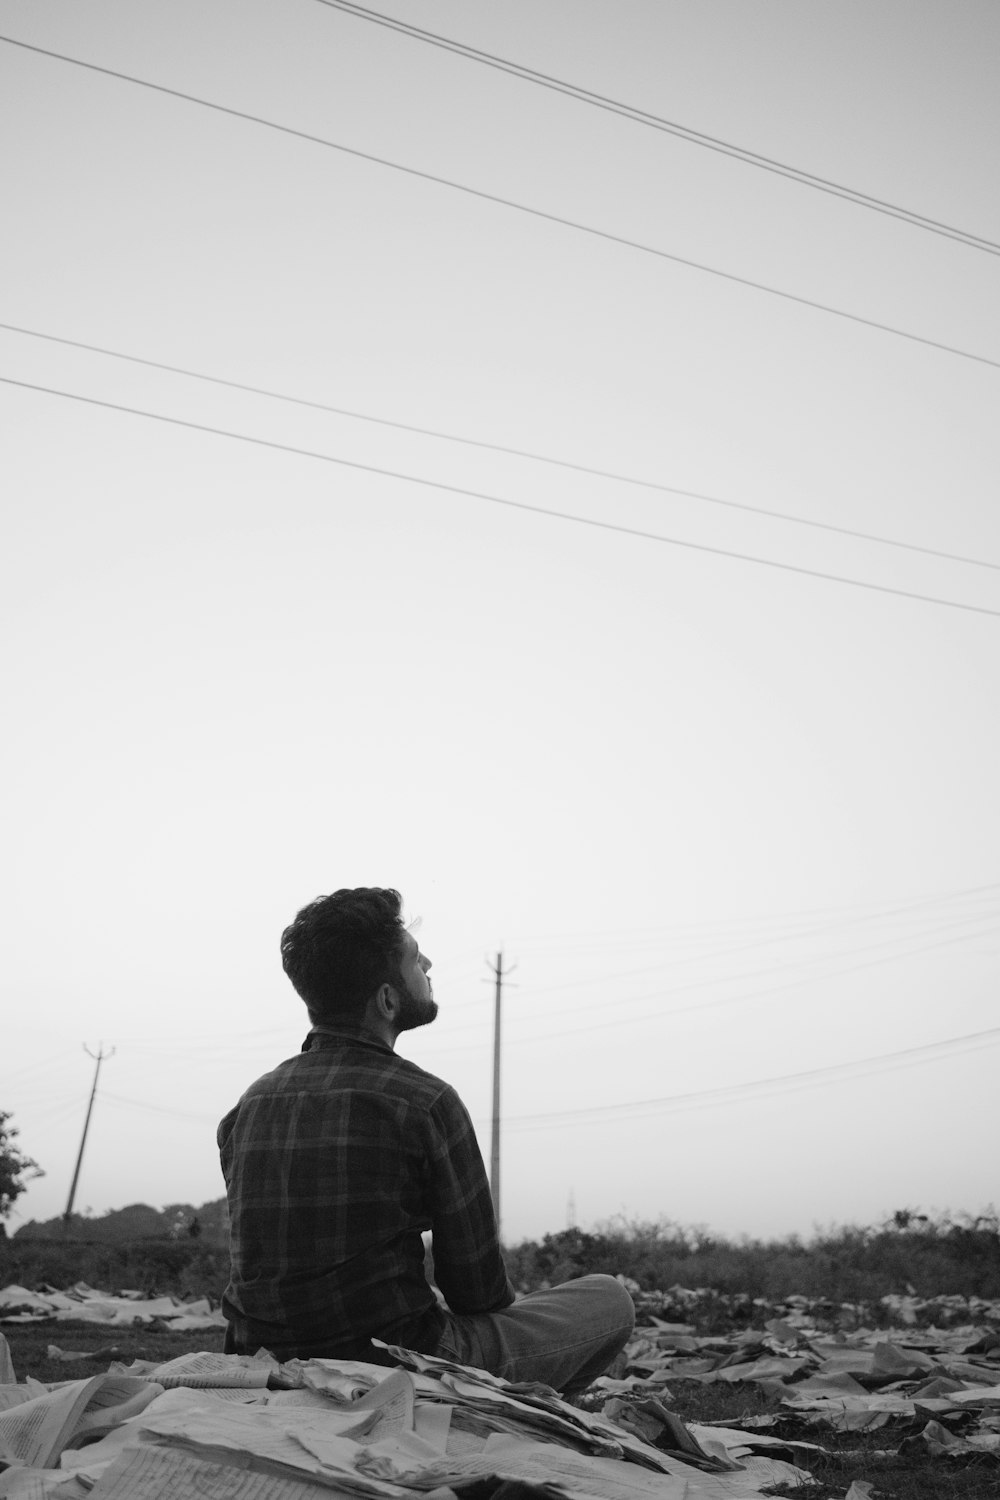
[
  {"x": 495, "y": 1138},
  {"x": 99, "y": 1057}
]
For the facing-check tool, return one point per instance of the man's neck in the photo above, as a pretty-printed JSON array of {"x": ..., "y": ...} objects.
[{"x": 362, "y": 1030}]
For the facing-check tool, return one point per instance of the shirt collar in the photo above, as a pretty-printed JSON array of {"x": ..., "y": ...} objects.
[{"x": 343, "y": 1032}]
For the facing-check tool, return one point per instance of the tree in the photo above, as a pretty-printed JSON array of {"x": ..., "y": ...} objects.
[{"x": 15, "y": 1167}]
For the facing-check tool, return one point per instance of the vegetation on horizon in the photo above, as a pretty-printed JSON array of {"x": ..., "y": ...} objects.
[
  {"x": 182, "y": 1249},
  {"x": 908, "y": 1253},
  {"x": 16, "y": 1169}
]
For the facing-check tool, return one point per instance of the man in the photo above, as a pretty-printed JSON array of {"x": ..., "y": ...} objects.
[{"x": 338, "y": 1160}]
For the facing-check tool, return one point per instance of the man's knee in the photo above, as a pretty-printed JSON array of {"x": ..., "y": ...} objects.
[
  {"x": 615, "y": 1300},
  {"x": 620, "y": 1298}
]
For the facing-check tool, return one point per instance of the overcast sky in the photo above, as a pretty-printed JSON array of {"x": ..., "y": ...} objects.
[{"x": 735, "y": 823}]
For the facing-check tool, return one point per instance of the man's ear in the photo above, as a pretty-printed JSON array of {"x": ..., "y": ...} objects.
[{"x": 386, "y": 1002}]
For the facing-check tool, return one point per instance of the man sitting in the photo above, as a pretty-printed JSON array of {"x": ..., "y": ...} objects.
[{"x": 338, "y": 1160}]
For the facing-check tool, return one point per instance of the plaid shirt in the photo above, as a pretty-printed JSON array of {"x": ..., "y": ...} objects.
[{"x": 334, "y": 1164}]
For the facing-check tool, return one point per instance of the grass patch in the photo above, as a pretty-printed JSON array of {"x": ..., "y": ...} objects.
[{"x": 29, "y": 1345}]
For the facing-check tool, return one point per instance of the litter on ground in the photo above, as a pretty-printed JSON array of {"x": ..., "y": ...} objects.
[{"x": 227, "y": 1426}]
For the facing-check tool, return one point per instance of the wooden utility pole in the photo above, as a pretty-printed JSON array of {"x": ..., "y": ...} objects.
[
  {"x": 99, "y": 1057},
  {"x": 495, "y": 1138}
]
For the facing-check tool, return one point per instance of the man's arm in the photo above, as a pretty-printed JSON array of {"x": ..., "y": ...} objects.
[{"x": 468, "y": 1266}]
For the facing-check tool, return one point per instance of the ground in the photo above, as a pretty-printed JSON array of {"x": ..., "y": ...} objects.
[{"x": 872, "y": 1456}]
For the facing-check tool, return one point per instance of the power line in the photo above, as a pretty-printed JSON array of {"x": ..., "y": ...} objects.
[
  {"x": 720, "y": 1001},
  {"x": 521, "y": 505},
  {"x": 160, "y": 1109},
  {"x": 794, "y": 984},
  {"x": 537, "y": 213},
  {"x": 451, "y": 437},
  {"x": 50, "y": 1113},
  {"x": 668, "y": 127},
  {"x": 42, "y": 1065},
  {"x": 577, "y": 1008},
  {"x": 797, "y": 934},
  {"x": 804, "y": 1077},
  {"x": 782, "y": 923}
]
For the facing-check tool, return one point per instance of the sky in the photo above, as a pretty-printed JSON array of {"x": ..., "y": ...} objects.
[{"x": 720, "y": 786}]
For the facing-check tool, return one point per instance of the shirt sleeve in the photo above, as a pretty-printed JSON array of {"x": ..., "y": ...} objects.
[{"x": 468, "y": 1266}]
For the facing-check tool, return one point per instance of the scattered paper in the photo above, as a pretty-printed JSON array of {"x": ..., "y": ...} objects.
[
  {"x": 85, "y": 1304},
  {"x": 227, "y": 1427}
]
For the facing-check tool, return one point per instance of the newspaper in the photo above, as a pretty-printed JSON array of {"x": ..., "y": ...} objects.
[
  {"x": 39, "y": 1484},
  {"x": 486, "y": 1406},
  {"x": 504, "y": 1407},
  {"x": 81, "y": 1302},
  {"x": 16, "y": 1395},
  {"x": 392, "y": 1402},
  {"x": 341, "y": 1379},
  {"x": 35, "y": 1432},
  {"x": 90, "y": 1462},
  {"x": 651, "y": 1422},
  {"x": 584, "y": 1474},
  {"x": 579, "y": 1474},
  {"x": 296, "y": 1442},
  {"x": 391, "y": 1448},
  {"x": 310, "y": 1400},
  {"x": 169, "y": 1474},
  {"x": 980, "y": 1395},
  {"x": 215, "y": 1370}
]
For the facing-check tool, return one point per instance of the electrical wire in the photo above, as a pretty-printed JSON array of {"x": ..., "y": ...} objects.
[
  {"x": 520, "y": 505},
  {"x": 668, "y": 127},
  {"x": 39, "y": 1065},
  {"x": 537, "y": 213},
  {"x": 159, "y": 1109},
  {"x": 451, "y": 437},
  {"x": 627, "y": 1109},
  {"x": 576, "y": 1008},
  {"x": 712, "y": 1004},
  {"x": 838, "y": 915},
  {"x": 793, "y": 935},
  {"x": 53, "y": 1112},
  {"x": 805, "y": 1077}
]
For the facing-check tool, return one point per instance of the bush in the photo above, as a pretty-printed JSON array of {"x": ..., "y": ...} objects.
[
  {"x": 153, "y": 1266},
  {"x": 909, "y": 1252}
]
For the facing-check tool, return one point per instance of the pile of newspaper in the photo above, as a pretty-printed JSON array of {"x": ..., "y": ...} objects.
[
  {"x": 224, "y": 1426},
  {"x": 939, "y": 1388},
  {"x": 82, "y": 1303}
]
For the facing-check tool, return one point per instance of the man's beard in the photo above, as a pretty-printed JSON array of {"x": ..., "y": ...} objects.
[{"x": 415, "y": 1010}]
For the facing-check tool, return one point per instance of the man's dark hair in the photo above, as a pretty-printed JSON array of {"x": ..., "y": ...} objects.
[{"x": 341, "y": 948}]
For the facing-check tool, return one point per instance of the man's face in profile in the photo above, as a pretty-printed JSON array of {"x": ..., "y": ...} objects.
[{"x": 417, "y": 1004}]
